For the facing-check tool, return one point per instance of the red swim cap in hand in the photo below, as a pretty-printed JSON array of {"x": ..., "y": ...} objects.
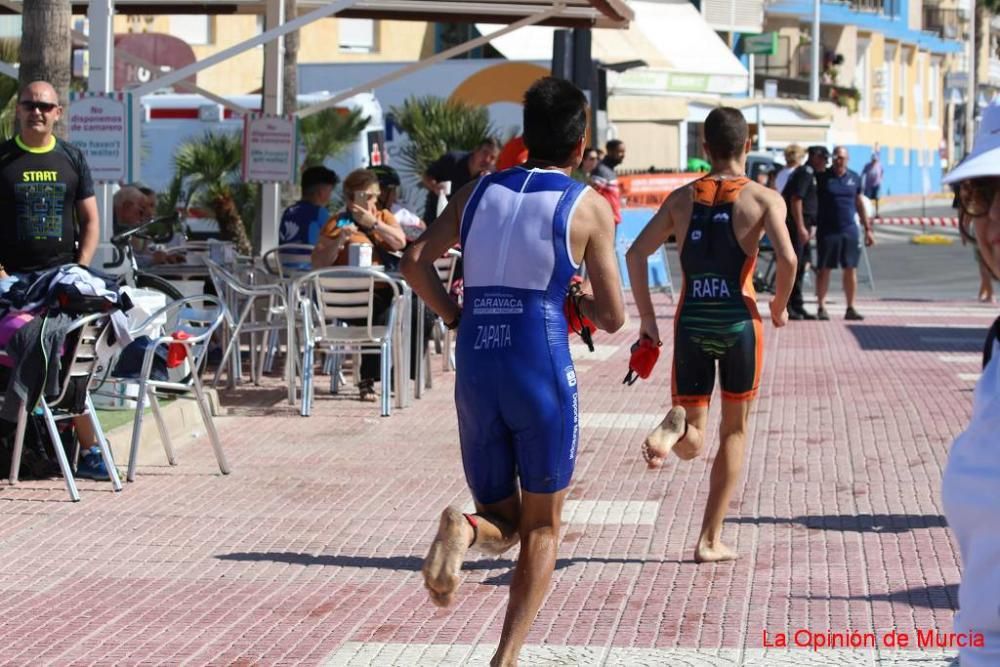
[{"x": 644, "y": 355}]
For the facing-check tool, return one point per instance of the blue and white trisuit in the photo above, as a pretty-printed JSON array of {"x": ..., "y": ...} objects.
[{"x": 515, "y": 389}]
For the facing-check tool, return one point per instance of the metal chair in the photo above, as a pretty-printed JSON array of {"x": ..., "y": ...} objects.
[
  {"x": 198, "y": 317},
  {"x": 79, "y": 362},
  {"x": 445, "y": 267},
  {"x": 240, "y": 300},
  {"x": 329, "y": 297},
  {"x": 289, "y": 260}
]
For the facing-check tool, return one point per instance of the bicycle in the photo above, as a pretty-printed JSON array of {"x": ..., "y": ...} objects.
[{"x": 125, "y": 254}]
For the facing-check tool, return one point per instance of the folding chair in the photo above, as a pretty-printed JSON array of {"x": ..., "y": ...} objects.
[
  {"x": 198, "y": 317},
  {"x": 328, "y": 297},
  {"x": 78, "y": 363}
]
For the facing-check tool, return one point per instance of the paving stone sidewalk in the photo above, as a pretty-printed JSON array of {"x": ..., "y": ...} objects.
[{"x": 310, "y": 552}]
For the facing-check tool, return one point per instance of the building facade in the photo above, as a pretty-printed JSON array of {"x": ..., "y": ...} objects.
[{"x": 883, "y": 62}]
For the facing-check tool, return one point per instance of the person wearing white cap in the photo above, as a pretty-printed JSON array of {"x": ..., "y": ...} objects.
[{"x": 970, "y": 487}]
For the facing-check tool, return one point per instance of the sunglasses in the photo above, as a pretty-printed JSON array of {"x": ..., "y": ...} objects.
[
  {"x": 44, "y": 107},
  {"x": 975, "y": 195}
]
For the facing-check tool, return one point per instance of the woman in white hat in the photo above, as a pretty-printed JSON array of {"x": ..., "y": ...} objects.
[{"x": 971, "y": 484}]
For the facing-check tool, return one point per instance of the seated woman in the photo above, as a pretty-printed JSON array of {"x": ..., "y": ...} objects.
[{"x": 362, "y": 223}]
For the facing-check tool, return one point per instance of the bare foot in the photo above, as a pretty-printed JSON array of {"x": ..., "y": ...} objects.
[
  {"x": 986, "y": 297},
  {"x": 444, "y": 560},
  {"x": 713, "y": 554},
  {"x": 662, "y": 439}
]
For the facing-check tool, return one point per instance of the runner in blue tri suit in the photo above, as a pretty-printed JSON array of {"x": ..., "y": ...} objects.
[
  {"x": 524, "y": 233},
  {"x": 718, "y": 221}
]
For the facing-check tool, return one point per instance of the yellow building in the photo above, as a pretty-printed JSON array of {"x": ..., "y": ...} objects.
[
  {"x": 326, "y": 40},
  {"x": 884, "y": 63}
]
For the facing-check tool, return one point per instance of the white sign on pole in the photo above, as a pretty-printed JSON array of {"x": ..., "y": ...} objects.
[
  {"x": 270, "y": 148},
  {"x": 100, "y": 124}
]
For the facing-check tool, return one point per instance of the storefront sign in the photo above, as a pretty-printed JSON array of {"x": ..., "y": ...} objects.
[
  {"x": 761, "y": 45},
  {"x": 100, "y": 125}
]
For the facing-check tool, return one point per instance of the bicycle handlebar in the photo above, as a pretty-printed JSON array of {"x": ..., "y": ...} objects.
[{"x": 123, "y": 238}]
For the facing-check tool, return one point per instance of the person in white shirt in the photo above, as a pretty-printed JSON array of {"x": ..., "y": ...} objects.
[
  {"x": 970, "y": 486},
  {"x": 793, "y": 158}
]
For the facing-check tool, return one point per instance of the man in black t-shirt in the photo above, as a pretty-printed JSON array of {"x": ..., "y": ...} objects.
[
  {"x": 457, "y": 167},
  {"x": 800, "y": 196},
  {"x": 46, "y": 189},
  {"x": 47, "y": 196}
]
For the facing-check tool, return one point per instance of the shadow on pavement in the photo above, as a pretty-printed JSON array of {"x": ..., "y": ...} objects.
[
  {"x": 859, "y": 523},
  {"x": 873, "y": 337},
  {"x": 937, "y": 596},
  {"x": 411, "y": 563}
]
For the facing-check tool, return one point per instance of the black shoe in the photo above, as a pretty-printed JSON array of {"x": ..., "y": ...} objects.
[
  {"x": 796, "y": 315},
  {"x": 366, "y": 390},
  {"x": 852, "y": 314},
  {"x": 821, "y": 314},
  {"x": 806, "y": 315}
]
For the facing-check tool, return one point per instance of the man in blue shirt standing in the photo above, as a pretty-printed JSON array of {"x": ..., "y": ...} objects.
[
  {"x": 838, "y": 242},
  {"x": 302, "y": 221}
]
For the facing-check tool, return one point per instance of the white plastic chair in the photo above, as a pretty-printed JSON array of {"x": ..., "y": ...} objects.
[
  {"x": 79, "y": 363},
  {"x": 328, "y": 297},
  {"x": 198, "y": 317}
]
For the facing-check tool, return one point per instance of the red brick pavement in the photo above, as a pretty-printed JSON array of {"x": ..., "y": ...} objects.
[{"x": 312, "y": 548}]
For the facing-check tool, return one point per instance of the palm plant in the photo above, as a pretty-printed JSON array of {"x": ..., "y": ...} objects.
[
  {"x": 208, "y": 168},
  {"x": 435, "y": 126},
  {"x": 9, "y": 50},
  {"x": 326, "y": 133}
]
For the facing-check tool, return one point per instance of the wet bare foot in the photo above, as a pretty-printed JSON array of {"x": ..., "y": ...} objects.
[
  {"x": 714, "y": 553},
  {"x": 662, "y": 439},
  {"x": 444, "y": 560}
]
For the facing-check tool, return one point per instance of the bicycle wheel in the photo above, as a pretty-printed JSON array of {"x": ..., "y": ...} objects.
[{"x": 154, "y": 282}]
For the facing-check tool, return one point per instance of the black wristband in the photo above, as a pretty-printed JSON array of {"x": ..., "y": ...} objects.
[{"x": 454, "y": 323}]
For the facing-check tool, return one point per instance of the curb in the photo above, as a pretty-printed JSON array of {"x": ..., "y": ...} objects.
[
  {"x": 925, "y": 221},
  {"x": 183, "y": 422}
]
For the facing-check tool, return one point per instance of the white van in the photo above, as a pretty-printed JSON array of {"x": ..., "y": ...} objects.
[{"x": 169, "y": 120}]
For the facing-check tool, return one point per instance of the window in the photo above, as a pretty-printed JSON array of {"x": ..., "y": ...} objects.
[
  {"x": 903, "y": 84},
  {"x": 861, "y": 76},
  {"x": 356, "y": 35},
  {"x": 884, "y": 83},
  {"x": 195, "y": 30},
  {"x": 934, "y": 94},
  {"x": 10, "y": 27},
  {"x": 449, "y": 35},
  {"x": 919, "y": 107}
]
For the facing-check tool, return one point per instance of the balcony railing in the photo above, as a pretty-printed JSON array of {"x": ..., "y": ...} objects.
[
  {"x": 948, "y": 23},
  {"x": 887, "y": 7}
]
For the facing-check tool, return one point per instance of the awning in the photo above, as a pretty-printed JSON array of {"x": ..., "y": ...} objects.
[
  {"x": 579, "y": 13},
  {"x": 683, "y": 53}
]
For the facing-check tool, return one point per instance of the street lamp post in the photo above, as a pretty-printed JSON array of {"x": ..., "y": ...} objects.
[{"x": 814, "y": 73}]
